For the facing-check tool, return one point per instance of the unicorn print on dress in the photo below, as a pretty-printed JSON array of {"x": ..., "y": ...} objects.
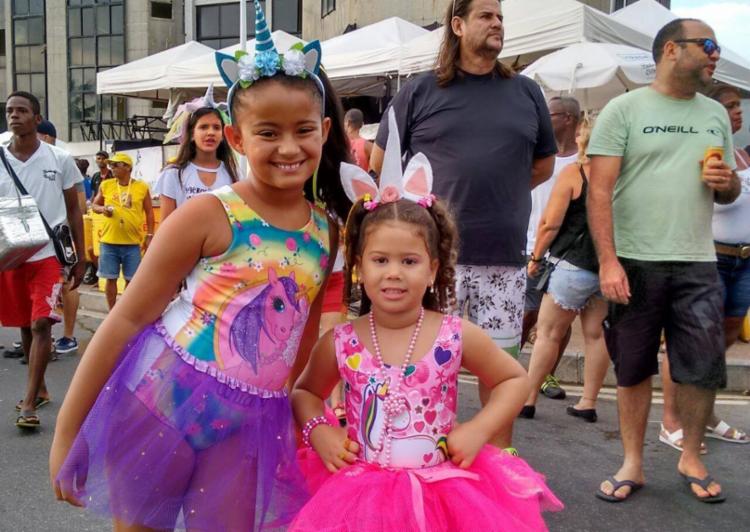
[{"x": 262, "y": 321}]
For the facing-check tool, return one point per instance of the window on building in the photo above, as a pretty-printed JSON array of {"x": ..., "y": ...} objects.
[
  {"x": 327, "y": 7},
  {"x": 2, "y": 42},
  {"x": 287, "y": 16},
  {"x": 96, "y": 42},
  {"x": 30, "y": 52},
  {"x": 161, "y": 10},
  {"x": 218, "y": 25}
]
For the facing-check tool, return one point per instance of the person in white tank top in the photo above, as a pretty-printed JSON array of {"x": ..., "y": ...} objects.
[{"x": 731, "y": 229}]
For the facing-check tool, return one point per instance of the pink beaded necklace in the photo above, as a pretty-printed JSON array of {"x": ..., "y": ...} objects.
[{"x": 395, "y": 400}]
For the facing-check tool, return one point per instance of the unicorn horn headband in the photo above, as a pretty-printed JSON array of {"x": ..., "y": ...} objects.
[
  {"x": 414, "y": 183},
  {"x": 178, "y": 126},
  {"x": 243, "y": 69}
]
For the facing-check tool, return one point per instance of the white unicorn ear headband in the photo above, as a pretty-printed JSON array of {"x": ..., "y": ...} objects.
[
  {"x": 178, "y": 125},
  {"x": 415, "y": 183},
  {"x": 244, "y": 69}
]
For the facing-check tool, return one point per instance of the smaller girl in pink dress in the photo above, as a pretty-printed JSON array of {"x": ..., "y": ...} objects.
[{"x": 403, "y": 463}]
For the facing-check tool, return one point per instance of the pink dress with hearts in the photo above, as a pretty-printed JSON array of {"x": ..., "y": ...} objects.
[{"x": 421, "y": 490}]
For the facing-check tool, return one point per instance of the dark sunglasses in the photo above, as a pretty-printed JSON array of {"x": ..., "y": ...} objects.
[
  {"x": 116, "y": 165},
  {"x": 709, "y": 45}
]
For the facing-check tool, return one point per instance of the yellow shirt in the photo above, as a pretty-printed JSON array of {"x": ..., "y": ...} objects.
[{"x": 125, "y": 226}]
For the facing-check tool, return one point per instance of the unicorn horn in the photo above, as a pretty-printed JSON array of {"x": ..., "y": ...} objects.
[
  {"x": 263, "y": 41},
  {"x": 392, "y": 170}
]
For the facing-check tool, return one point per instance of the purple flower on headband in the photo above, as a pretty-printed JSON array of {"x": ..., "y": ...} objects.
[
  {"x": 426, "y": 201},
  {"x": 267, "y": 63}
]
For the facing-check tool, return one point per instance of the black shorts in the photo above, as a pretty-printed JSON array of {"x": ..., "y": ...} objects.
[{"x": 685, "y": 300}]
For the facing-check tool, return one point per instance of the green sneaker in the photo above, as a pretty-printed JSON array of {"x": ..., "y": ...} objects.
[
  {"x": 511, "y": 451},
  {"x": 551, "y": 388}
]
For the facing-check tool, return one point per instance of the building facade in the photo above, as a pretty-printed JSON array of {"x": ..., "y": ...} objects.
[
  {"x": 323, "y": 19},
  {"x": 55, "y": 48}
]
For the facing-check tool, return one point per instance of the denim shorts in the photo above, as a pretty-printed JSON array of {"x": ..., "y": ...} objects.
[
  {"x": 572, "y": 287},
  {"x": 735, "y": 279},
  {"x": 112, "y": 256}
]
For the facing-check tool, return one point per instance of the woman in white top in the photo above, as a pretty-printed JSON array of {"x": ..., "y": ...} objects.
[
  {"x": 731, "y": 228},
  {"x": 205, "y": 162}
]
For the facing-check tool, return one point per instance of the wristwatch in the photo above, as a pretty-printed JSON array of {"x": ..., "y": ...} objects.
[{"x": 532, "y": 258}]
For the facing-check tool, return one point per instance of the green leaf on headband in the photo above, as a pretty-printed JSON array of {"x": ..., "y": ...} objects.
[
  {"x": 245, "y": 83},
  {"x": 239, "y": 53},
  {"x": 297, "y": 46}
]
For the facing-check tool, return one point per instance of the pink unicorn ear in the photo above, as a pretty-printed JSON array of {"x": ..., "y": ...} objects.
[
  {"x": 417, "y": 181},
  {"x": 273, "y": 278},
  {"x": 357, "y": 182}
]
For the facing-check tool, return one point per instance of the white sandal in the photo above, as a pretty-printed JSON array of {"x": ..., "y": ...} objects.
[
  {"x": 720, "y": 431},
  {"x": 674, "y": 439}
]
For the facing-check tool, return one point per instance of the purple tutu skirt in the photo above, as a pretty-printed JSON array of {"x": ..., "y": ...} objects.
[
  {"x": 499, "y": 492},
  {"x": 167, "y": 446}
]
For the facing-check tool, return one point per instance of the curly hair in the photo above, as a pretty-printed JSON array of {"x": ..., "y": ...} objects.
[{"x": 434, "y": 224}]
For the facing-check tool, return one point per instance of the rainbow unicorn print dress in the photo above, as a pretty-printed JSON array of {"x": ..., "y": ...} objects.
[
  {"x": 194, "y": 428},
  {"x": 420, "y": 489}
]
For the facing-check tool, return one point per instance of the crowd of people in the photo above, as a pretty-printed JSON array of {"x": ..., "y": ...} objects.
[{"x": 365, "y": 275}]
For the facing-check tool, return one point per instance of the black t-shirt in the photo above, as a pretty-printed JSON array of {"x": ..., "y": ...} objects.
[{"x": 481, "y": 135}]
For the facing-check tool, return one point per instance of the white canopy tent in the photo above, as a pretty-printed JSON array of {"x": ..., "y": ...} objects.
[
  {"x": 533, "y": 28},
  {"x": 648, "y": 17},
  {"x": 593, "y": 72},
  {"x": 364, "y": 61},
  {"x": 147, "y": 77}
]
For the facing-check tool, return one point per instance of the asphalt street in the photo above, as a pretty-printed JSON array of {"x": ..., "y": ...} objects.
[{"x": 574, "y": 455}]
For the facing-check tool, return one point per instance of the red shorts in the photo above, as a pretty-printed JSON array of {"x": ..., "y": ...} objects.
[
  {"x": 31, "y": 292},
  {"x": 333, "y": 298}
]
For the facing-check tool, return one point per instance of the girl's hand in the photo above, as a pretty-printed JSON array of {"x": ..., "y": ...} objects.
[
  {"x": 60, "y": 448},
  {"x": 334, "y": 447},
  {"x": 464, "y": 443},
  {"x": 533, "y": 268}
]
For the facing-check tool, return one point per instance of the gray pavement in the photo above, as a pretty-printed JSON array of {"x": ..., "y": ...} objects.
[{"x": 575, "y": 456}]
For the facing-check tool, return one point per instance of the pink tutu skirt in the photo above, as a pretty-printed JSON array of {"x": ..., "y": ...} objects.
[
  {"x": 498, "y": 492},
  {"x": 167, "y": 446}
]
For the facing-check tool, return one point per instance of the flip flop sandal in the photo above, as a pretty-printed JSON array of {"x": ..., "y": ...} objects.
[
  {"x": 617, "y": 484},
  {"x": 674, "y": 439},
  {"x": 720, "y": 431},
  {"x": 39, "y": 403},
  {"x": 703, "y": 483},
  {"x": 28, "y": 421}
]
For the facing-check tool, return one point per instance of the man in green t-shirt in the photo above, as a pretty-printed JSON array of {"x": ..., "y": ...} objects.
[{"x": 650, "y": 203}]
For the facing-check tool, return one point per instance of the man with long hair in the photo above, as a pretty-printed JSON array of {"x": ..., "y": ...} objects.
[{"x": 489, "y": 139}]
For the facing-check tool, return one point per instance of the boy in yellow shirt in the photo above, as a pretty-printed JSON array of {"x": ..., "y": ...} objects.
[{"x": 125, "y": 203}]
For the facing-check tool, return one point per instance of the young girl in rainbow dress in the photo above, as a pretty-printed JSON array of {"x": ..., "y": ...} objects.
[
  {"x": 178, "y": 416},
  {"x": 403, "y": 463}
]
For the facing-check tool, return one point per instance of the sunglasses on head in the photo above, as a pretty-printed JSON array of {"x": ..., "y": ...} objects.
[
  {"x": 116, "y": 165},
  {"x": 709, "y": 45}
]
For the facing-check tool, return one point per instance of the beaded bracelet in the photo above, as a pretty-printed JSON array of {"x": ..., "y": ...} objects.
[{"x": 310, "y": 425}]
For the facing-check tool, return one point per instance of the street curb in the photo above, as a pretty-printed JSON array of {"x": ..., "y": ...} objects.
[{"x": 570, "y": 371}]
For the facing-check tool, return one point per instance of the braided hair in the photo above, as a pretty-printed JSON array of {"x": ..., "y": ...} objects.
[{"x": 434, "y": 224}]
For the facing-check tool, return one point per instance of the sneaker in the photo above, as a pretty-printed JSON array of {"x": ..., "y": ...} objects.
[
  {"x": 90, "y": 276},
  {"x": 551, "y": 388},
  {"x": 66, "y": 345}
]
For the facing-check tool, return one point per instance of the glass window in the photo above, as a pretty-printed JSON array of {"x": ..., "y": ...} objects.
[
  {"x": 102, "y": 20},
  {"x": 89, "y": 51},
  {"x": 208, "y": 21},
  {"x": 75, "y": 79},
  {"x": 36, "y": 7},
  {"x": 36, "y": 30},
  {"x": 89, "y": 106},
  {"x": 2, "y": 42},
  {"x": 230, "y": 20},
  {"x": 36, "y": 59},
  {"x": 22, "y": 59},
  {"x": 88, "y": 26},
  {"x": 327, "y": 7},
  {"x": 74, "y": 23},
  {"x": 21, "y": 7},
  {"x": 286, "y": 16},
  {"x": 118, "y": 25},
  {"x": 103, "y": 47},
  {"x": 75, "y": 52},
  {"x": 37, "y": 84},
  {"x": 74, "y": 109},
  {"x": 89, "y": 79},
  {"x": 118, "y": 50},
  {"x": 161, "y": 10},
  {"x": 20, "y": 31}
]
